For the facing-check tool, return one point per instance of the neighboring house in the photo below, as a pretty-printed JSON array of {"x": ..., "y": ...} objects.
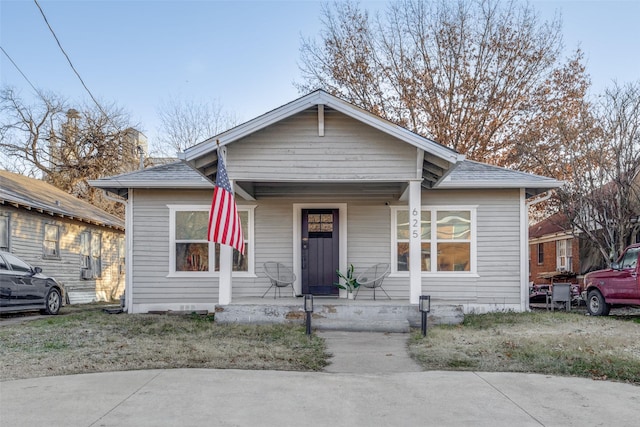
[
  {"x": 556, "y": 254},
  {"x": 553, "y": 252},
  {"x": 77, "y": 243},
  {"x": 321, "y": 184}
]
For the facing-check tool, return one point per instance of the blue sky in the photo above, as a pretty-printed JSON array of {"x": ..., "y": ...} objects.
[{"x": 243, "y": 54}]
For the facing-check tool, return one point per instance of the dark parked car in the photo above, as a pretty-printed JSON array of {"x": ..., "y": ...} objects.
[{"x": 25, "y": 288}]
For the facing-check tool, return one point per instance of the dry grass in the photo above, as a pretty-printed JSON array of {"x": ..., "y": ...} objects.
[
  {"x": 84, "y": 339},
  {"x": 549, "y": 343},
  {"x": 89, "y": 340}
]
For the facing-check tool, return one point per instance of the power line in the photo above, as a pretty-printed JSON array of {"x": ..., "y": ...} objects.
[
  {"x": 19, "y": 70},
  {"x": 69, "y": 59}
]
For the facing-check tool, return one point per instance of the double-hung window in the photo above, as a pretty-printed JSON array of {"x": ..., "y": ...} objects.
[
  {"x": 447, "y": 239},
  {"x": 51, "y": 242},
  {"x": 564, "y": 252},
  {"x": 90, "y": 255},
  {"x": 4, "y": 233},
  {"x": 191, "y": 254}
]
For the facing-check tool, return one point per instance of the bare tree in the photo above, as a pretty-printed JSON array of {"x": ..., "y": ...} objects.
[
  {"x": 475, "y": 75},
  {"x": 602, "y": 197},
  {"x": 66, "y": 146},
  {"x": 186, "y": 123}
]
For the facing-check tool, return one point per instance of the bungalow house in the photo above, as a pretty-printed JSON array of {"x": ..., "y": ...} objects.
[
  {"x": 79, "y": 244},
  {"x": 321, "y": 184}
]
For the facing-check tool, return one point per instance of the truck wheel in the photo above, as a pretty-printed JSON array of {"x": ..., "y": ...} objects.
[{"x": 596, "y": 305}]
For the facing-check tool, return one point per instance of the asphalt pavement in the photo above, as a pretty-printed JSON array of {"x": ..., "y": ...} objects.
[{"x": 371, "y": 382}]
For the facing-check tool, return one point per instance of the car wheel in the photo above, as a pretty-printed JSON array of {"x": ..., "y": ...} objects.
[
  {"x": 596, "y": 305},
  {"x": 53, "y": 302}
]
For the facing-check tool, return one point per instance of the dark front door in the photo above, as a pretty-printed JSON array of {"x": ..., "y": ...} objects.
[{"x": 320, "y": 250}]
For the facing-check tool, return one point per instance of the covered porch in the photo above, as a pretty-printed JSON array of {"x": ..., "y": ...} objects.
[{"x": 320, "y": 155}]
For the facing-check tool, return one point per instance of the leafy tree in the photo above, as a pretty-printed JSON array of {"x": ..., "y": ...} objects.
[
  {"x": 66, "y": 146},
  {"x": 480, "y": 76}
]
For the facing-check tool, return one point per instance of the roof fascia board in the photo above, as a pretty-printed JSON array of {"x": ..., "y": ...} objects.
[
  {"x": 448, "y": 185},
  {"x": 45, "y": 211},
  {"x": 552, "y": 237},
  {"x": 199, "y": 183}
]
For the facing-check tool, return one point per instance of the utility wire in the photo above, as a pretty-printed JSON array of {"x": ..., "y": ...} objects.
[
  {"x": 69, "y": 59},
  {"x": 19, "y": 70}
]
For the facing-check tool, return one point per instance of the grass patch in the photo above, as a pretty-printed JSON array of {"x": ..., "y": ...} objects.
[
  {"x": 94, "y": 341},
  {"x": 559, "y": 343}
]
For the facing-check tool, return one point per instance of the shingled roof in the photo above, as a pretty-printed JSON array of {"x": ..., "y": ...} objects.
[
  {"x": 33, "y": 194},
  {"x": 467, "y": 174},
  {"x": 172, "y": 175}
]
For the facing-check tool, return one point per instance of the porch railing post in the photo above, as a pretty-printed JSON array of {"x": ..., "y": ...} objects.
[{"x": 415, "y": 241}]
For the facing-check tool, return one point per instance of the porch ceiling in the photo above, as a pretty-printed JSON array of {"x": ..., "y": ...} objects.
[{"x": 352, "y": 190}]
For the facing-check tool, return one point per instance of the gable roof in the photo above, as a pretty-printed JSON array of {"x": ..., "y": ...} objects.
[
  {"x": 33, "y": 194},
  {"x": 437, "y": 160},
  {"x": 442, "y": 167},
  {"x": 320, "y": 97}
]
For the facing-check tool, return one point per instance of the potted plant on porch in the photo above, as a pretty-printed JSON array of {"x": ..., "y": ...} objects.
[{"x": 349, "y": 283}]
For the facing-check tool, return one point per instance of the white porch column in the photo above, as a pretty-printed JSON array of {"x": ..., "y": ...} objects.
[
  {"x": 226, "y": 268},
  {"x": 415, "y": 237}
]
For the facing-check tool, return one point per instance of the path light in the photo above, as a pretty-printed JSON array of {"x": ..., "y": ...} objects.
[
  {"x": 308, "y": 308},
  {"x": 425, "y": 307}
]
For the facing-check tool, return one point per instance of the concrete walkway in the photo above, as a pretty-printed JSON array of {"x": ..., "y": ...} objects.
[
  {"x": 387, "y": 391},
  {"x": 368, "y": 352}
]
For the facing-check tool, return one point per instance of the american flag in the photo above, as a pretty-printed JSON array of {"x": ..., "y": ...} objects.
[{"x": 224, "y": 223}]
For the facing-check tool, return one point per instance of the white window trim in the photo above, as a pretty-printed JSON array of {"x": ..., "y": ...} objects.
[
  {"x": 172, "y": 243},
  {"x": 473, "y": 267}
]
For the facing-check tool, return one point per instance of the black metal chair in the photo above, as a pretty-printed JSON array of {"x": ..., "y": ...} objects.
[
  {"x": 372, "y": 278},
  {"x": 280, "y": 276}
]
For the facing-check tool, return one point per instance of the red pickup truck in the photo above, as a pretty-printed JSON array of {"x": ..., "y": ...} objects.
[{"x": 615, "y": 286}]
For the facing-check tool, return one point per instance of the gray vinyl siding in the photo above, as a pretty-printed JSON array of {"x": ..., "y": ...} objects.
[
  {"x": 150, "y": 251},
  {"x": 498, "y": 249},
  {"x": 291, "y": 150},
  {"x": 368, "y": 242},
  {"x": 26, "y": 236}
]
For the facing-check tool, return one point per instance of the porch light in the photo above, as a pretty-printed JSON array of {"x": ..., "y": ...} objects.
[
  {"x": 424, "y": 306},
  {"x": 308, "y": 308}
]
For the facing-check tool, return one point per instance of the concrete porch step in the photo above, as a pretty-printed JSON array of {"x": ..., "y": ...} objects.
[{"x": 338, "y": 314}]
